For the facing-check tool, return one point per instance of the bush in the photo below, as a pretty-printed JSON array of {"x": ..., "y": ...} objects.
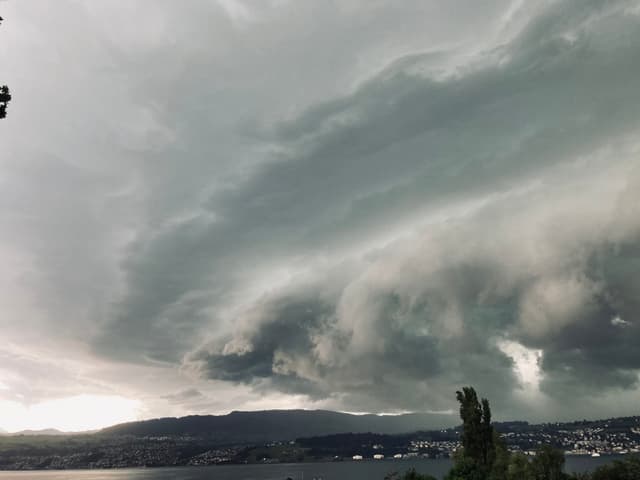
[
  {"x": 627, "y": 469},
  {"x": 409, "y": 475}
]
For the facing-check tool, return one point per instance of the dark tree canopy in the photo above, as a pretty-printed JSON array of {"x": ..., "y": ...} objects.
[
  {"x": 477, "y": 434},
  {"x": 5, "y": 96},
  {"x": 548, "y": 464},
  {"x": 484, "y": 455},
  {"x": 627, "y": 469},
  {"x": 409, "y": 475}
]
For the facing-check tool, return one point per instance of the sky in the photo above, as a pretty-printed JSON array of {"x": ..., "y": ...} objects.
[{"x": 357, "y": 205}]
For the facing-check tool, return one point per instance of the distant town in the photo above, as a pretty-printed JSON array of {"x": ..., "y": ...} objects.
[{"x": 619, "y": 436}]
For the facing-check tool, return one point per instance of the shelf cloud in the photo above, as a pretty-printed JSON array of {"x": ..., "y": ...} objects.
[{"x": 299, "y": 204}]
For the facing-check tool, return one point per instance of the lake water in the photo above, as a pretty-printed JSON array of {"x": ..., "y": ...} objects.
[{"x": 365, "y": 470}]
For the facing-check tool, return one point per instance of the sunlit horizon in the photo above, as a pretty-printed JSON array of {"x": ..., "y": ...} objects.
[{"x": 78, "y": 413}]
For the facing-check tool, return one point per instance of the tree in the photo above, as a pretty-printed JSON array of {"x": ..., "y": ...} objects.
[
  {"x": 484, "y": 455},
  {"x": 409, "y": 475},
  {"x": 489, "y": 435},
  {"x": 477, "y": 431},
  {"x": 627, "y": 469},
  {"x": 519, "y": 467},
  {"x": 502, "y": 457},
  {"x": 5, "y": 96},
  {"x": 476, "y": 459},
  {"x": 465, "y": 468},
  {"x": 548, "y": 464}
]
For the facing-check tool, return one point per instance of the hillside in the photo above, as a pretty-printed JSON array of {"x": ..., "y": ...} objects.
[
  {"x": 277, "y": 425},
  {"x": 212, "y": 440},
  {"x": 33, "y": 433}
]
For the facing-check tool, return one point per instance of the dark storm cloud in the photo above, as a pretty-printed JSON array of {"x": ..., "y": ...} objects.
[
  {"x": 426, "y": 134},
  {"x": 427, "y": 314},
  {"x": 600, "y": 350},
  {"x": 419, "y": 135},
  {"x": 351, "y": 214}
]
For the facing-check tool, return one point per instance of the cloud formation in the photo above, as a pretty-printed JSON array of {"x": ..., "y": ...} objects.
[{"x": 346, "y": 215}]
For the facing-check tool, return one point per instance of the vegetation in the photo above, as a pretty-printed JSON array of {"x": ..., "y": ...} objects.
[
  {"x": 409, "y": 475},
  {"x": 484, "y": 456},
  {"x": 5, "y": 96},
  {"x": 627, "y": 469}
]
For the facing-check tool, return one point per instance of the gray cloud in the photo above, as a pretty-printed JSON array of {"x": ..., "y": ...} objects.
[
  {"x": 348, "y": 214},
  {"x": 377, "y": 158},
  {"x": 183, "y": 396},
  {"x": 430, "y": 311}
]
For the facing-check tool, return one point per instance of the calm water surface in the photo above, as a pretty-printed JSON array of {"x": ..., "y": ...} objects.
[{"x": 367, "y": 470}]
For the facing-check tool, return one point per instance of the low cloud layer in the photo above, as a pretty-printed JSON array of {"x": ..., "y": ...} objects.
[{"x": 296, "y": 204}]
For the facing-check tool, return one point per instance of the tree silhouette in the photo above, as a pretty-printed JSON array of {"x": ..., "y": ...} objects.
[
  {"x": 5, "y": 96},
  {"x": 409, "y": 475},
  {"x": 477, "y": 433},
  {"x": 484, "y": 454}
]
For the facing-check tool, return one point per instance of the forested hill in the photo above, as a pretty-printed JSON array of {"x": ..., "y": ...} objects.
[{"x": 274, "y": 425}]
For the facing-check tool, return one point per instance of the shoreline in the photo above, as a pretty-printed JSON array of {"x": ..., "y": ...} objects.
[{"x": 604, "y": 458}]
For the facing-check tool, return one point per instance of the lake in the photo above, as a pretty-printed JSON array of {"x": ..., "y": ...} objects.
[{"x": 365, "y": 470}]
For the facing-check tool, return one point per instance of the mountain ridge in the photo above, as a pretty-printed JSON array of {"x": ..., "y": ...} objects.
[
  {"x": 41, "y": 432},
  {"x": 278, "y": 425}
]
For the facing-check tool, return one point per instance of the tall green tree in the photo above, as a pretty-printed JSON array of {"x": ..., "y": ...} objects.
[
  {"x": 477, "y": 431},
  {"x": 502, "y": 458},
  {"x": 476, "y": 459},
  {"x": 484, "y": 454}
]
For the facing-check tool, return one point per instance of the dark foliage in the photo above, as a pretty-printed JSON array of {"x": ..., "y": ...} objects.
[
  {"x": 627, "y": 469},
  {"x": 484, "y": 455},
  {"x": 5, "y": 95},
  {"x": 409, "y": 475},
  {"x": 478, "y": 448},
  {"x": 548, "y": 464}
]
